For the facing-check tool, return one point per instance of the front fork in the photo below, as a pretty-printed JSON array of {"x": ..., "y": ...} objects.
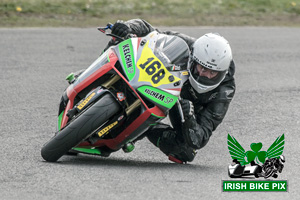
[{"x": 91, "y": 97}]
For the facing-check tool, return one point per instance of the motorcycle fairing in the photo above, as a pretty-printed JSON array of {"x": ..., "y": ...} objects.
[
  {"x": 127, "y": 55},
  {"x": 158, "y": 97},
  {"x": 150, "y": 70},
  {"x": 148, "y": 116}
]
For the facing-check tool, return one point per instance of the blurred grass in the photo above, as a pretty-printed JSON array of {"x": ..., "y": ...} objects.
[{"x": 86, "y": 13}]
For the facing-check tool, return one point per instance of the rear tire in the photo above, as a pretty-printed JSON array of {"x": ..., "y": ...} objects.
[{"x": 80, "y": 128}]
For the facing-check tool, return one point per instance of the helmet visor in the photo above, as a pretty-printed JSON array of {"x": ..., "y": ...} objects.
[{"x": 208, "y": 77}]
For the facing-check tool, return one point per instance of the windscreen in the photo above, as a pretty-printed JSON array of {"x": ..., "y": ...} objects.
[
  {"x": 102, "y": 60},
  {"x": 172, "y": 51}
]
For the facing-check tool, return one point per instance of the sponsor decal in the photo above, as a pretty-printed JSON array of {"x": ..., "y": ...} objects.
[
  {"x": 107, "y": 128},
  {"x": 176, "y": 68},
  {"x": 152, "y": 70},
  {"x": 128, "y": 58},
  {"x": 159, "y": 96},
  {"x": 211, "y": 63},
  {"x": 255, "y": 163},
  {"x": 121, "y": 117},
  {"x": 208, "y": 64},
  {"x": 185, "y": 73},
  {"x": 82, "y": 104},
  {"x": 121, "y": 96},
  {"x": 152, "y": 34},
  {"x": 155, "y": 94}
]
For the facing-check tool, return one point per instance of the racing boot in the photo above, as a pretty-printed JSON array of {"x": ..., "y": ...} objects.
[{"x": 171, "y": 144}]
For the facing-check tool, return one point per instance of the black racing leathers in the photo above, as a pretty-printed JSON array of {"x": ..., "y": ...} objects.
[{"x": 209, "y": 108}]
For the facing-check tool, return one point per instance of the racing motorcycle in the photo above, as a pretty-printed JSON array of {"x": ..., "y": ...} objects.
[{"x": 128, "y": 89}]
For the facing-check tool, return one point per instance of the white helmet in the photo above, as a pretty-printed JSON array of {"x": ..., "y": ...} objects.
[{"x": 213, "y": 52}]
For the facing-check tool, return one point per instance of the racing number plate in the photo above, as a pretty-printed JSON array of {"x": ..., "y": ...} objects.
[{"x": 152, "y": 69}]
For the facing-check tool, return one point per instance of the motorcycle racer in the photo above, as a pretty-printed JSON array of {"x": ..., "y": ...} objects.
[{"x": 205, "y": 96}]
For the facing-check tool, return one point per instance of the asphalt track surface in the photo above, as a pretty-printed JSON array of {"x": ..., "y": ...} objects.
[{"x": 34, "y": 63}]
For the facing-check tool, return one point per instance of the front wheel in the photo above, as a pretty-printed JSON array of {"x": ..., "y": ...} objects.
[{"x": 80, "y": 128}]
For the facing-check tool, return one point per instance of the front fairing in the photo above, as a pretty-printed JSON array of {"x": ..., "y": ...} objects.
[
  {"x": 97, "y": 64},
  {"x": 129, "y": 61},
  {"x": 171, "y": 52},
  {"x": 155, "y": 66}
]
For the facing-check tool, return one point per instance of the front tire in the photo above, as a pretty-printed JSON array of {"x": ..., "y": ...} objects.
[{"x": 80, "y": 128}]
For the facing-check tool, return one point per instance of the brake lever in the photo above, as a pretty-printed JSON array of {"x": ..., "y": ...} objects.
[
  {"x": 103, "y": 29},
  {"x": 180, "y": 110},
  {"x": 110, "y": 26}
]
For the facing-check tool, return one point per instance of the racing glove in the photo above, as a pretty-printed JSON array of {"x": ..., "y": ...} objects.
[
  {"x": 187, "y": 108},
  {"x": 193, "y": 133},
  {"x": 120, "y": 29}
]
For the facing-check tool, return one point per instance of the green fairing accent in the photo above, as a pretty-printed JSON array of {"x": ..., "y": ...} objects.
[
  {"x": 108, "y": 58},
  {"x": 89, "y": 151},
  {"x": 153, "y": 124},
  {"x": 157, "y": 116},
  {"x": 158, "y": 96},
  {"x": 127, "y": 56},
  {"x": 60, "y": 119},
  {"x": 70, "y": 77}
]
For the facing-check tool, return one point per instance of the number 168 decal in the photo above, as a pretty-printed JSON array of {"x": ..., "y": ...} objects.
[{"x": 152, "y": 70}]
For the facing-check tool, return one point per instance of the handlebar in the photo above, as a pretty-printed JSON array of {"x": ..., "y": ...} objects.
[
  {"x": 110, "y": 26},
  {"x": 103, "y": 29}
]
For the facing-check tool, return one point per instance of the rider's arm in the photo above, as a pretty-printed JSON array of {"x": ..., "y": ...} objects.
[
  {"x": 138, "y": 27},
  {"x": 198, "y": 130},
  {"x": 141, "y": 28},
  {"x": 199, "y": 126}
]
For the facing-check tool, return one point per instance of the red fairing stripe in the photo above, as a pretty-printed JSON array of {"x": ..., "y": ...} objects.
[
  {"x": 65, "y": 118},
  {"x": 176, "y": 89},
  {"x": 138, "y": 43},
  {"x": 112, "y": 56},
  {"x": 157, "y": 111}
]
